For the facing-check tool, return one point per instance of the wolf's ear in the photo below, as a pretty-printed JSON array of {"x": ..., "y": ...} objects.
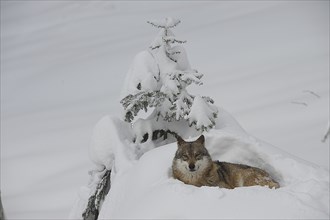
[
  {"x": 201, "y": 139},
  {"x": 180, "y": 140}
]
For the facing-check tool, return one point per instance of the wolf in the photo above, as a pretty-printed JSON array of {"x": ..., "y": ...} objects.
[{"x": 192, "y": 164}]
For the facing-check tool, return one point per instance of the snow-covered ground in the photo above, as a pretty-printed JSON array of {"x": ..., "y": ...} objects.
[
  {"x": 63, "y": 65},
  {"x": 143, "y": 187}
]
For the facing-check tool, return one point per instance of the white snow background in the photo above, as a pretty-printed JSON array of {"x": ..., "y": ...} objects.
[{"x": 63, "y": 66}]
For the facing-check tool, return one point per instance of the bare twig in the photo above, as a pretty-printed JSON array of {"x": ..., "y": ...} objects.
[
  {"x": 327, "y": 134},
  {"x": 299, "y": 103},
  {"x": 312, "y": 93}
]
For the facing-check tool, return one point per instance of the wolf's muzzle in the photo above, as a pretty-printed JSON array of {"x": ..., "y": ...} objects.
[{"x": 192, "y": 167}]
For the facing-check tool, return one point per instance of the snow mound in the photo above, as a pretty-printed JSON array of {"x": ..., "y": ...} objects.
[
  {"x": 148, "y": 191},
  {"x": 108, "y": 133},
  {"x": 144, "y": 188}
]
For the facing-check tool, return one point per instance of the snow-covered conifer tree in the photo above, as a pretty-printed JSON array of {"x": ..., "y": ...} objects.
[{"x": 157, "y": 83}]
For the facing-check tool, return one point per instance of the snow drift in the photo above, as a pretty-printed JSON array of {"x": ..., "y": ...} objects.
[{"x": 144, "y": 187}]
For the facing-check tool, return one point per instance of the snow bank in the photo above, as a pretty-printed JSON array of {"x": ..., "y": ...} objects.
[
  {"x": 148, "y": 191},
  {"x": 144, "y": 188}
]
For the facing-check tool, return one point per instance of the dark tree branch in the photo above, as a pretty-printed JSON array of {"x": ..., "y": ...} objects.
[{"x": 299, "y": 103}]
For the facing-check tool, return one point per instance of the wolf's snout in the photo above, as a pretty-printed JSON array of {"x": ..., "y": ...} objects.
[{"x": 192, "y": 167}]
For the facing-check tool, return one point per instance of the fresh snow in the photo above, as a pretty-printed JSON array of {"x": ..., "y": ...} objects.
[
  {"x": 142, "y": 71},
  {"x": 63, "y": 67},
  {"x": 143, "y": 187},
  {"x": 201, "y": 111}
]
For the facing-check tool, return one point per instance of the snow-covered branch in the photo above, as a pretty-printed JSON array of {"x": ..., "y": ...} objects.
[
  {"x": 167, "y": 23},
  {"x": 172, "y": 40},
  {"x": 142, "y": 100},
  {"x": 202, "y": 115}
]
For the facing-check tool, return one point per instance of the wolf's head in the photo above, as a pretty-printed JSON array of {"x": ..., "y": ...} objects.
[{"x": 192, "y": 156}]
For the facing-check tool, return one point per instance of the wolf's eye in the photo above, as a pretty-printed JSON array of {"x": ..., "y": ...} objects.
[
  {"x": 198, "y": 156},
  {"x": 184, "y": 157}
]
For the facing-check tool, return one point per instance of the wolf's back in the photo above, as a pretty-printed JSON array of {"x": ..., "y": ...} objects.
[{"x": 237, "y": 175}]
